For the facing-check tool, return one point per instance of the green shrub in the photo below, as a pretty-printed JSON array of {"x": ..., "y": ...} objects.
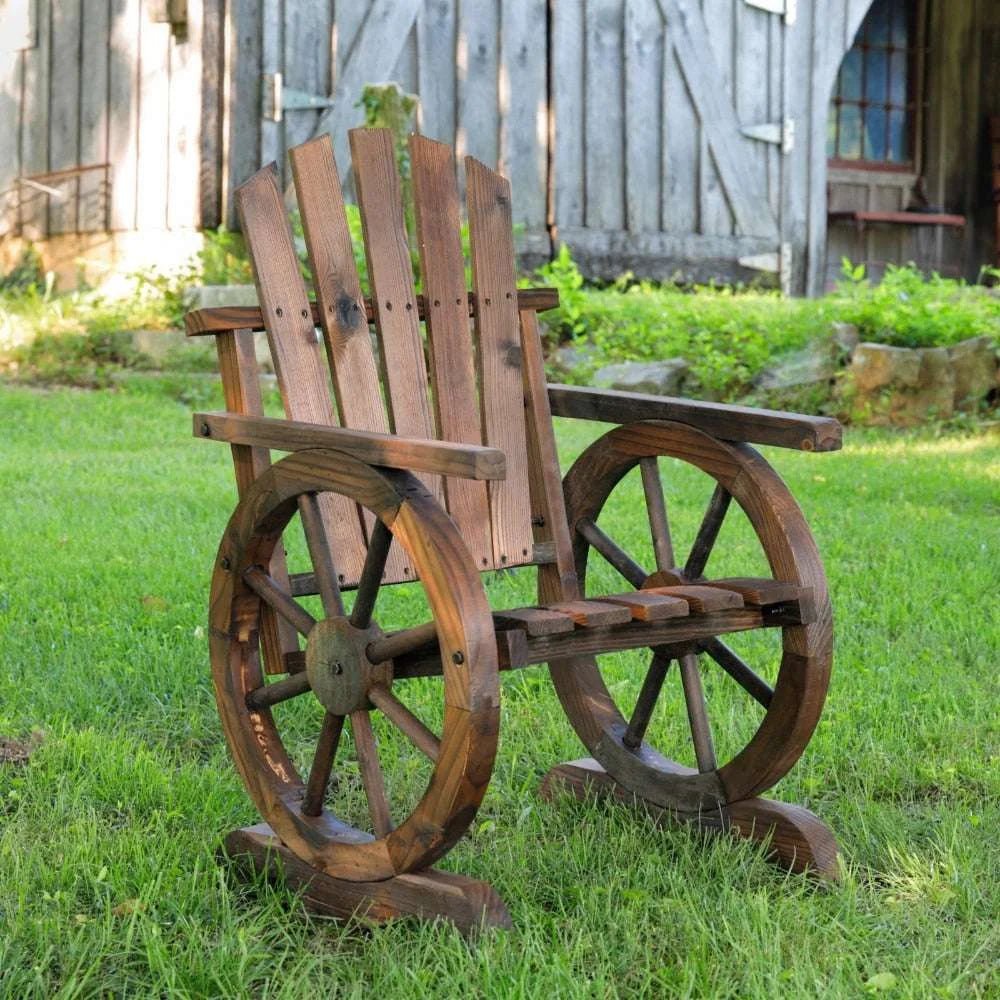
[{"x": 908, "y": 309}]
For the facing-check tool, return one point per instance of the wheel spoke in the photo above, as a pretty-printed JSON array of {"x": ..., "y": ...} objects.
[
  {"x": 646, "y": 702},
  {"x": 656, "y": 509},
  {"x": 406, "y": 722},
  {"x": 371, "y": 772},
  {"x": 371, "y": 575},
  {"x": 267, "y": 588},
  {"x": 613, "y": 553},
  {"x": 400, "y": 643},
  {"x": 279, "y": 691},
  {"x": 322, "y": 559},
  {"x": 322, "y": 765},
  {"x": 752, "y": 683},
  {"x": 694, "y": 698},
  {"x": 707, "y": 533}
]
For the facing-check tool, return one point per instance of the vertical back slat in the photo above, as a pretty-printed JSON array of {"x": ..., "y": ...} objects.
[
  {"x": 453, "y": 376},
  {"x": 338, "y": 295},
  {"x": 497, "y": 331},
  {"x": 391, "y": 275},
  {"x": 297, "y": 356}
]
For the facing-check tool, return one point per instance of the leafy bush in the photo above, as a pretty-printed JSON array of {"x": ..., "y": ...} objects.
[
  {"x": 728, "y": 336},
  {"x": 907, "y": 309}
]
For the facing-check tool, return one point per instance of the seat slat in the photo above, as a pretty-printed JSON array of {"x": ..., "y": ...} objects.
[
  {"x": 390, "y": 272},
  {"x": 593, "y": 614},
  {"x": 500, "y": 378},
  {"x": 342, "y": 310},
  {"x": 760, "y": 592},
  {"x": 702, "y": 599},
  {"x": 649, "y": 607},
  {"x": 534, "y": 621},
  {"x": 297, "y": 357},
  {"x": 453, "y": 376}
]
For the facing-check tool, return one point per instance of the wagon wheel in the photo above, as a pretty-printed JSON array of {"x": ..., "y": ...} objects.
[
  {"x": 790, "y": 711},
  {"x": 348, "y": 668}
]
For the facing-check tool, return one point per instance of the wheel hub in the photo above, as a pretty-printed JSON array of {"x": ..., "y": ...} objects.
[{"x": 337, "y": 664}]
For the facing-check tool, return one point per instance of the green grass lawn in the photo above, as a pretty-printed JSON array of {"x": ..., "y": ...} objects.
[{"x": 110, "y": 518}]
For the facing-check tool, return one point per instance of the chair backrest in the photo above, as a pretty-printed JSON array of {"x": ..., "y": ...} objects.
[{"x": 478, "y": 390}]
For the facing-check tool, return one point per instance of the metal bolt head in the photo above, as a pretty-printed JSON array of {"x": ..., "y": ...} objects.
[
  {"x": 458, "y": 657},
  {"x": 338, "y": 669},
  {"x": 226, "y": 564},
  {"x": 206, "y": 431}
]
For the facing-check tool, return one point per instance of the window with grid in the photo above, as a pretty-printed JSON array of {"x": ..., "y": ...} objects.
[{"x": 874, "y": 106}]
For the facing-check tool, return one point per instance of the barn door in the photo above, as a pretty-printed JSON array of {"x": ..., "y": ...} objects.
[
  {"x": 478, "y": 67},
  {"x": 688, "y": 181}
]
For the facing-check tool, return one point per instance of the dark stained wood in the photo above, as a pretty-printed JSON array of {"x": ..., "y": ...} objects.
[
  {"x": 379, "y": 544},
  {"x": 445, "y": 457},
  {"x": 291, "y": 333},
  {"x": 758, "y": 592},
  {"x": 794, "y": 838},
  {"x": 222, "y": 319},
  {"x": 488, "y": 388},
  {"x": 649, "y": 693},
  {"x": 593, "y": 614},
  {"x": 499, "y": 357},
  {"x": 708, "y": 532},
  {"x": 277, "y": 692},
  {"x": 453, "y": 375},
  {"x": 700, "y": 599},
  {"x": 803, "y": 676},
  {"x": 728, "y": 422},
  {"x": 428, "y": 894},
  {"x": 534, "y": 621},
  {"x": 340, "y": 306},
  {"x": 322, "y": 765},
  {"x": 557, "y": 580},
  {"x": 371, "y": 772},
  {"x": 650, "y": 607},
  {"x": 241, "y": 391},
  {"x": 279, "y": 599},
  {"x": 656, "y": 511},
  {"x": 611, "y": 551},
  {"x": 697, "y": 710},
  {"x": 406, "y": 722},
  {"x": 743, "y": 674},
  {"x": 401, "y": 348}
]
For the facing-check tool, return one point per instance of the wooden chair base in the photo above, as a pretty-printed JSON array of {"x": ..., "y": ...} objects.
[
  {"x": 798, "y": 840},
  {"x": 428, "y": 895}
]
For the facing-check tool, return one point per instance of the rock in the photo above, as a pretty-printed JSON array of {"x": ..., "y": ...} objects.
[
  {"x": 903, "y": 387},
  {"x": 815, "y": 363},
  {"x": 214, "y": 296},
  {"x": 874, "y": 366},
  {"x": 845, "y": 337},
  {"x": 974, "y": 362},
  {"x": 571, "y": 356},
  {"x": 157, "y": 344},
  {"x": 661, "y": 378}
]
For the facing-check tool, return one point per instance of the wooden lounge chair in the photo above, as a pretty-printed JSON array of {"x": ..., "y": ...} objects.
[{"x": 401, "y": 475}]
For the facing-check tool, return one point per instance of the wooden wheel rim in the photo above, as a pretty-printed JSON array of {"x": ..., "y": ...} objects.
[
  {"x": 807, "y": 650},
  {"x": 464, "y": 624}
]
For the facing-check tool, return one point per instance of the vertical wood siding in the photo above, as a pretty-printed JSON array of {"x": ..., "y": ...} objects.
[
  {"x": 101, "y": 84},
  {"x": 619, "y": 122}
]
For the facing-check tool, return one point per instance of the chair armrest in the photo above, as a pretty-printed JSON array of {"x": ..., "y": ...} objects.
[
  {"x": 464, "y": 461},
  {"x": 729, "y": 423}
]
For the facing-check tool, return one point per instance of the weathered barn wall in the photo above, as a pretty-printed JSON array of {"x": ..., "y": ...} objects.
[
  {"x": 634, "y": 130},
  {"x": 100, "y": 84},
  {"x": 479, "y": 68}
]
